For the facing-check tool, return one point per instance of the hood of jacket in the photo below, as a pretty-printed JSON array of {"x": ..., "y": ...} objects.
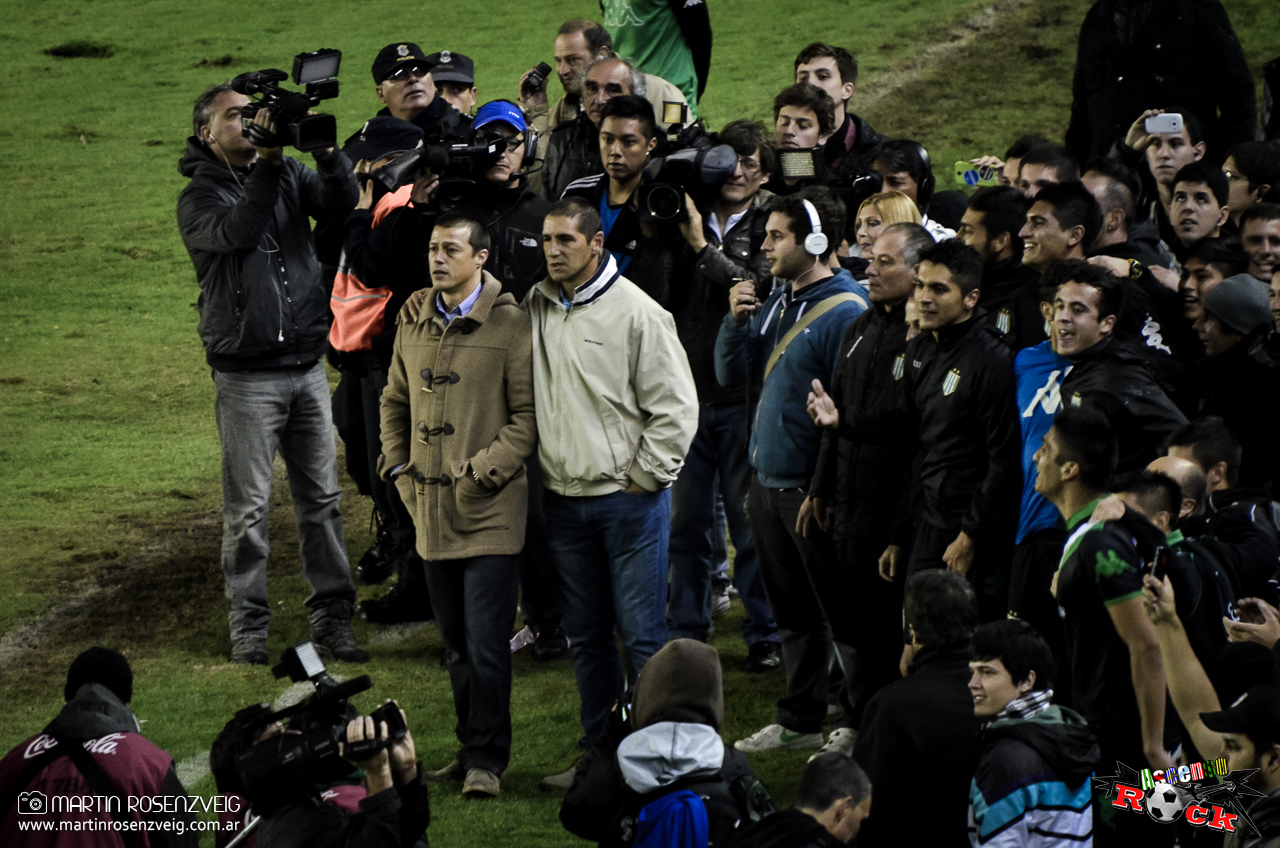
[
  {"x": 1059, "y": 735},
  {"x": 94, "y": 711},
  {"x": 681, "y": 683},
  {"x": 662, "y": 753}
]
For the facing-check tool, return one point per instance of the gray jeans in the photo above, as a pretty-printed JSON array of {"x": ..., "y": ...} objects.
[{"x": 260, "y": 412}]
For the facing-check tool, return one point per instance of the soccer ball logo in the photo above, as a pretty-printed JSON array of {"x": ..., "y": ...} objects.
[{"x": 1164, "y": 803}]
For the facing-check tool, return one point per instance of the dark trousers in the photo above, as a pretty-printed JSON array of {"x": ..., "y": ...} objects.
[
  {"x": 475, "y": 606},
  {"x": 988, "y": 574},
  {"x": 541, "y": 595},
  {"x": 875, "y": 610},
  {"x": 809, "y": 594},
  {"x": 1035, "y": 560}
]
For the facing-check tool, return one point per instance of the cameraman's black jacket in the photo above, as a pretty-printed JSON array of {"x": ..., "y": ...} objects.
[
  {"x": 652, "y": 257},
  {"x": 958, "y": 398},
  {"x": 394, "y": 818},
  {"x": 513, "y": 216},
  {"x": 1011, "y": 298},
  {"x": 1248, "y": 521},
  {"x": 573, "y": 152},
  {"x": 700, "y": 294},
  {"x": 1115, "y": 377},
  {"x": 263, "y": 303},
  {"x": 863, "y": 482}
]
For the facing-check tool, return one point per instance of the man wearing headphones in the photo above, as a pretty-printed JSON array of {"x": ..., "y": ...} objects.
[
  {"x": 264, "y": 321},
  {"x": 904, "y": 166},
  {"x": 805, "y": 319}
]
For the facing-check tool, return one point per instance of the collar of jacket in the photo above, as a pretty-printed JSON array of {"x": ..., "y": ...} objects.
[
  {"x": 935, "y": 655},
  {"x": 490, "y": 290},
  {"x": 896, "y": 314},
  {"x": 952, "y": 334},
  {"x": 1102, "y": 350},
  {"x": 590, "y": 291}
]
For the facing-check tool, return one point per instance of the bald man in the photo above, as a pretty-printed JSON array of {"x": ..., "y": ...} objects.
[{"x": 1191, "y": 481}]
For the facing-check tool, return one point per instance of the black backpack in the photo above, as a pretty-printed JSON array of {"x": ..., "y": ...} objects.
[{"x": 731, "y": 801}]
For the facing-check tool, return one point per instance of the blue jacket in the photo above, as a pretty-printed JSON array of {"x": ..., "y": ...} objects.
[
  {"x": 784, "y": 441},
  {"x": 1039, "y": 373}
]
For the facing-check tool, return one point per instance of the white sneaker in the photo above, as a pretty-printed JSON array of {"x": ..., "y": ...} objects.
[
  {"x": 720, "y": 604},
  {"x": 839, "y": 742},
  {"x": 775, "y": 737}
]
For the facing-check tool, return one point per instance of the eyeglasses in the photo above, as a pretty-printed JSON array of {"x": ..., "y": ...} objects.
[
  {"x": 402, "y": 74},
  {"x": 749, "y": 166}
]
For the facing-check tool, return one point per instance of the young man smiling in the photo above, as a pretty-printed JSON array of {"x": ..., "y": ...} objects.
[{"x": 1037, "y": 757}]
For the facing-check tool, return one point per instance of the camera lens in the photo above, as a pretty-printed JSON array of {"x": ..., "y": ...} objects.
[{"x": 665, "y": 202}]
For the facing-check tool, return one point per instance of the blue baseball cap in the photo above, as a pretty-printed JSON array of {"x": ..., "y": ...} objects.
[{"x": 500, "y": 110}]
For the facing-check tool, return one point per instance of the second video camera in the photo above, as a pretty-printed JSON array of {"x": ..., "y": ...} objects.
[{"x": 318, "y": 72}]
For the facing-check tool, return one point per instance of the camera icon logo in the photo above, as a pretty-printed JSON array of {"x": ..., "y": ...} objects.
[{"x": 33, "y": 803}]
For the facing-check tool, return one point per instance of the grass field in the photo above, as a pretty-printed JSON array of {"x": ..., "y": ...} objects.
[{"x": 109, "y": 524}]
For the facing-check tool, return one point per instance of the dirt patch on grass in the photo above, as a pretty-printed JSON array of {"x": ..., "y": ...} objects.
[{"x": 159, "y": 594}]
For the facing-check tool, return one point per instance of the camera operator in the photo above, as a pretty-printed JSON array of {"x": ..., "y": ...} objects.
[
  {"x": 724, "y": 243},
  {"x": 627, "y": 135},
  {"x": 93, "y": 748},
  {"x": 383, "y": 804},
  {"x": 264, "y": 321}
]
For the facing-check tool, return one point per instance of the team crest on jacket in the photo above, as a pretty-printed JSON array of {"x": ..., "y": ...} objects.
[
  {"x": 1004, "y": 321},
  {"x": 951, "y": 382},
  {"x": 899, "y": 366},
  {"x": 1075, "y": 399}
]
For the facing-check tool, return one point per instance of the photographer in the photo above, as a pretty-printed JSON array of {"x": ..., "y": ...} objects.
[
  {"x": 94, "y": 748},
  {"x": 264, "y": 321},
  {"x": 383, "y": 804},
  {"x": 723, "y": 245}
]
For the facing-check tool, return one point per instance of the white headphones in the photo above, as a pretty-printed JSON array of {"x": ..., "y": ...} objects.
[{"x": 815, "y": 244}]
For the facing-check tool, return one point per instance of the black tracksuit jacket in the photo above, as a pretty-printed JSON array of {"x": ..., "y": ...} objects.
[{"x": 959, "y": 400}]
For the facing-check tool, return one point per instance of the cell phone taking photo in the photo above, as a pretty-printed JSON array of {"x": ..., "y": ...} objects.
[{"x": 1169, "y": 122}]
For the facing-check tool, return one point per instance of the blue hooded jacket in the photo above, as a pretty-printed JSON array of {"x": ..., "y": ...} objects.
[{"x": 784, "y": 441}]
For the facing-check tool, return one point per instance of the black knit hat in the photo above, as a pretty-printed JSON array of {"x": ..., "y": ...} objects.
[{"x": 100, "y": 665}]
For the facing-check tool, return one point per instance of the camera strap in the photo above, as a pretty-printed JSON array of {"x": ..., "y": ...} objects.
[
  {"x": 822, "y": 308},
  {"x": 87, "y": 766},
  {"x": 33, "y": 767}
]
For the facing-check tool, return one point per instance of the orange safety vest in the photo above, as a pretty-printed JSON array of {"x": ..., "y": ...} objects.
[{"x": 359, "y": 310}]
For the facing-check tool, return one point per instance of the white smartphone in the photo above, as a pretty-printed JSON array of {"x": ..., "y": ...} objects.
[{"x": 1169, "y": 122}]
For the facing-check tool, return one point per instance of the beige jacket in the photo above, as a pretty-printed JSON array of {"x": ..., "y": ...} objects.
[
  {"x": 460, "y": 399},
  {"x": 616, "y": 399}
]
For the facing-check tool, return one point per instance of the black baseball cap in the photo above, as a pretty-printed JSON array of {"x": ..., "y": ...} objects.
[
  {"x": 383, "y": 135},
  {"x": 394, "y": 55},
  {"x": 100, "y": 665},
  {"x": 1256, "y": 713},
  {"x": 452, "y": 67}
]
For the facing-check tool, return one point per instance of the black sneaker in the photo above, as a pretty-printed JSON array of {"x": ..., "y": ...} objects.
[
  {"x": 401, "y": 605},
  {"x": 331, "y": 633},
  {"x": 379, "y": 562},
  {"x": 549, "y": 643},
  {"x": 762, "y": 656}
]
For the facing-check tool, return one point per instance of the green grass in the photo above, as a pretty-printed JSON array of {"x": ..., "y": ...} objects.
[{"x": 108, "y": 452}]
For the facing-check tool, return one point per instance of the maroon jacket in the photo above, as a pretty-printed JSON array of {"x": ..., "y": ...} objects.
[{"x": 141, "y": 773}]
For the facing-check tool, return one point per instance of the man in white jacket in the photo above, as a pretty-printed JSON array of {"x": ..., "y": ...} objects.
[{"x": 618, "y": 409}]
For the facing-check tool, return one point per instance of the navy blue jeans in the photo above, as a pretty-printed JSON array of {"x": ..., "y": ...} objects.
[
  {"x": 719, "y": 449},
  {"x": 611, "y": 552},
  {"x": 475, "y": 604}
]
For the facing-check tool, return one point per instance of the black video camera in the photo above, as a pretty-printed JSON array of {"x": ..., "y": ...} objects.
[
  {"x": 459, "y": 165},
  {"x": 288, "y": 767},
  {"x": 317, "y": 71},
  {"x": 698, "y": 167},
  {"x": 808, "y": 166}
]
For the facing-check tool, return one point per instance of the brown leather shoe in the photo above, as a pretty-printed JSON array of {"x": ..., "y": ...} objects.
[
  {"x": 560, "y": 783},
  {"x": 481, "y": 784},
  {"x": 453, "y": 771}
]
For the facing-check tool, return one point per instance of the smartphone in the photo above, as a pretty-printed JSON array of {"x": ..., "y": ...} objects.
[
  {"x": 1158, "y": 567},
  {"x": 976, "y": 175},
  {"x": 1169, "y": 122}
]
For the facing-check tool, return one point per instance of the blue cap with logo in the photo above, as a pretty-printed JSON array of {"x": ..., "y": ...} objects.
[{"x": 500, "y": 110}]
